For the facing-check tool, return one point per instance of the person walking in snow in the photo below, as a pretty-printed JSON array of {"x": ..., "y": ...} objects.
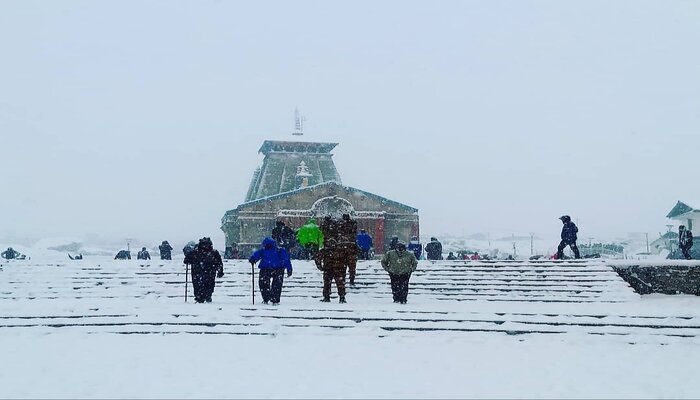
[
  {"x": 347, "y": 232},
  {"x": 364, "y": 242},
  {"x": 685, "y": 241},
  {"x": 393, "y": 243},
  {"x": 331, "y": 261},
  {"x": 284, "y": 236},
  {"x": 400, "y": 264},
  {"x": 434, "y": 249},
  {"x": 273, "y": 261},
  {"x": 451, "y": 256},
  {"x": 143, "y": 254},
  {"x": 165, "y": 250},
  {"x": 568, "y": 237},
  {"x": 415, "y": 246},
  {"x": 206, "y": 265}
]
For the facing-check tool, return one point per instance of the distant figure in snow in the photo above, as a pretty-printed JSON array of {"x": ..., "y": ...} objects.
[
  {"x": 415, "y": 246},
  {"x": 347, "y": 234},
  {"x": 400, "y": 264},
  {"x": 475, "y": 256},
  {"x": 165, "y": 250},
  {"x": 284, "y": 236},
  {"x": 231, "y": 252},
  {"x": 393, "y": 242},
  {"x": 434, "y": 249},
  {"x": 364, "y": 242},
  {"x": 451, "y": 256},
  {"x": 10, "y": 254},
  {"x": 78, "y": 257},
  {"x": 143, "y": 254},
  {"x": 568, "y": 237},
  {"x": 685, "y": 241},
  {"x": 123, "y": 255}
]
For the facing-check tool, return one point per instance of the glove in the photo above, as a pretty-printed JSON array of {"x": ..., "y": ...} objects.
[
  {"x": 289, "y": 273},
  {"x": 220, "y": 274}
]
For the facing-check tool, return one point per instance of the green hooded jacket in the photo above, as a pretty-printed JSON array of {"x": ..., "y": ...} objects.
[{"x": 310, "y": 233}]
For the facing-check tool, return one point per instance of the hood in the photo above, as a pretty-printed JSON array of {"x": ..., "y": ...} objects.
[{"x": 269, "y": 243}]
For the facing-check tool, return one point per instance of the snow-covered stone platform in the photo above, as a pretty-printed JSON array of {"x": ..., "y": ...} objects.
[
  {"x": 105, "y": 328},
  {"x": 450, "y": 297}
]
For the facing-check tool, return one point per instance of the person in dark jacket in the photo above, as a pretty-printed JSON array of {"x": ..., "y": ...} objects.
[
  {"x": 415, "y": 246},
  {"x": 393, "y": 242},
  {"x": 10, "y": 254},
  {"x": 347, "y": 232},
  {"x": 451, "y": 256},
  {"x": 364, "y": 242},
  {"x": 284, "y": 236},
  {"x": 143, "y": 254},
  {"x": 165, "y": 250},
  {"x": 433, "y": 250},
  {"x": 206, "y": 265},
  {"x": 568, "y": 237},
  {"x": 685, "y": 241},
  {"x": 273, "y": 262},
  {"x": 400, "y": 264},
  {"x": 123, "y": 255},
  {"x": 331, "y": 261}
]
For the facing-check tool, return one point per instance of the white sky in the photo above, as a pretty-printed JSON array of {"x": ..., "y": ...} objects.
[{"x": 143, "y": 118}]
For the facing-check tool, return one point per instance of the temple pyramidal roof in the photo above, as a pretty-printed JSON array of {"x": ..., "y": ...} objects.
[{"x": 283, "y": 160}]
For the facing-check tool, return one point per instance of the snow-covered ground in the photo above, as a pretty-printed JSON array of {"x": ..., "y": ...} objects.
[{"x": 120, "y": 329}]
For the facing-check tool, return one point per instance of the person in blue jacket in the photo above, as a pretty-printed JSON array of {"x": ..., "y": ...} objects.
[
  {"x": 273, "y": 261},
  {"x": 415, "y": 246},
  {"x": 364, "y": 242}
]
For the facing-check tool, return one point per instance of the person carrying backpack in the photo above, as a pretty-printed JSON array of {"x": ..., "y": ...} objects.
[
  {"x": 273, "y": 261},
  {"x": 206, "y": 265},
  {"x": 165, "y": 250}
]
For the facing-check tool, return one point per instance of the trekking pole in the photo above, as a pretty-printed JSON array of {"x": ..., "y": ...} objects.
[
  {"x": 186, "y": 268},
  {"x": 252, "y": 269}
]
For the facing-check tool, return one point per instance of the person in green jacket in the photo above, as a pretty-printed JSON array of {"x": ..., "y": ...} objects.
[
  {"x": 399, "y": 264},
  {"x": 310, "y": 239}
]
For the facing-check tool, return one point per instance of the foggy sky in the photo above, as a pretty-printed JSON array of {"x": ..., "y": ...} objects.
[{"x": 143, "y": 118}]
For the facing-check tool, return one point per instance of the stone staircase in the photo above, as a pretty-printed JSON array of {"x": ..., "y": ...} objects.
[{"x": 572, "y": 299}]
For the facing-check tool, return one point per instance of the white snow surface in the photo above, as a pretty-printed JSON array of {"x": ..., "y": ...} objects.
[{"x": 100, "y": 328}]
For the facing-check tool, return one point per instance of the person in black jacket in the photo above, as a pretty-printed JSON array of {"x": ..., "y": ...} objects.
[
  {"x": 165, "y": 250},
  {"x": 433, "y": 250},
  {"x": 284, "y": 236},
  {"x": 685, "y": 241},
  {"x": 568, "y": 237},
  {"x": 206, "y": 264},
  {"x": 143, "y": 254}
]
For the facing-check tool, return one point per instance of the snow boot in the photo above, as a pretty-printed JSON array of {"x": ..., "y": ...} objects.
[
  {"x": 326, "y": 300},
  {"x": 342, "y": 299}
]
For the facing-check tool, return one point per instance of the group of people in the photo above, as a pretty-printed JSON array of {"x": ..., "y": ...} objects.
[
  {"x": 334, "y": 246},
  {"x": 12, "y": 254}
]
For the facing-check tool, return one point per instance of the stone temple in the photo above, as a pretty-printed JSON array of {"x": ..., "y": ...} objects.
[{"x": 298, "y": 181}]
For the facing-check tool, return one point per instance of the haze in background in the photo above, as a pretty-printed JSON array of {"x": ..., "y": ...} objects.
[{"x": 143, "y": 118}]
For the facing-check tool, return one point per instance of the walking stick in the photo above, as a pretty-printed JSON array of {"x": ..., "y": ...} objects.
[
  {"x": 252, "y": 269},
  {"x": 186, "y": 268}
]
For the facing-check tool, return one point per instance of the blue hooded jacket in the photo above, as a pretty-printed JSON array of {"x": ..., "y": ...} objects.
[
  {"x": 364, "y": 240},
  {"x": 271, "y": 256}
]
